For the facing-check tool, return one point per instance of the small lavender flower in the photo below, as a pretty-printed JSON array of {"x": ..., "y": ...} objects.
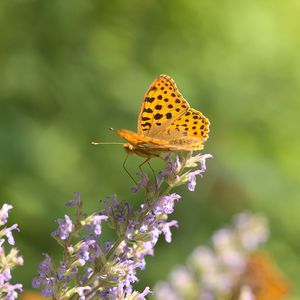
[
  {"x": 46, "y": 277},
  {"x": 165, "y": 204},
  {"x": 64, "y": 229},
  {"x": 4, "y": 213},
  {"x": 192, "y": 179},
  {"x": 142, "y": 183},
  {"x": 213, "y": 272},
  {"x": 8, "y": 262},
  {"x": 95, "y": 269},
  {"x": 94, "y": 222}
]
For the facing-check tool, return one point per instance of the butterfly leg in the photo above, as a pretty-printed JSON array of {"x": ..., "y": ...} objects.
[
  {"x": 153, "y": 172},
  {"x": 147, "y": 162},
  {"x": 126, "y": 170},
  {"x": 144, "y": 162}
]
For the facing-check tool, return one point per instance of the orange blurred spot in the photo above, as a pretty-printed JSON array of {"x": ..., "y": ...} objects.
[
  {"x": 264, "y": 279},
  {"x": 30, "y": 295}
]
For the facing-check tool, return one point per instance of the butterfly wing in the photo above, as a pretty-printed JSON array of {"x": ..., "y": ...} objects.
[
  {"x": 166, "y": 122},
  {"x": 264, "y": 278},
  {"x": 192, "y": 124},
  {"x": 188, "y": 132},
  {"x": 161, "y": 106}
]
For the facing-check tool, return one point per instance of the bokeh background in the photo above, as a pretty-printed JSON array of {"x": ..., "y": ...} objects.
[{"x": 69, "y": 70}]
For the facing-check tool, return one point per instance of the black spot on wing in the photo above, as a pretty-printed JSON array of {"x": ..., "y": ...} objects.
[
  {"x": 146, "y": 124},
  {"x": 150, "y": 100},
  {"x": 146, "y": 118},
  {"x": 148, "y": 110},
  {"x": 158, "y": 116},
  {"x": 153, "y": 88}
]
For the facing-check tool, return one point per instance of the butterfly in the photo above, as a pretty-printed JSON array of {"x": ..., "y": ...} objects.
[
  {"x": 265, "y": 281},
  {"x": 166, "y": 122}
]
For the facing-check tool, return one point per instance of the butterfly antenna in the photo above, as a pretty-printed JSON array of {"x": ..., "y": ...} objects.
[{"x": 106, "y": 143}]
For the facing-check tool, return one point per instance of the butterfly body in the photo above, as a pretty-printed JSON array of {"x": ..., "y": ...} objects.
[
  {"x": 166, "y": 123},
  {"x": 139, "y": 144}
]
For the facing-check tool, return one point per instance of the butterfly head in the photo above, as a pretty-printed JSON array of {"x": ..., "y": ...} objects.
[{"x": 129, "y": 148}]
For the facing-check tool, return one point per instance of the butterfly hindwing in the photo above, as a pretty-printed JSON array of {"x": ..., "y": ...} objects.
[
  {"x": 193, "y": 124},
  {"x": 161, "y": 106}
]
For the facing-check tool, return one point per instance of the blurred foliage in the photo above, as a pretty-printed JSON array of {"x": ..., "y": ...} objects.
[{"x": 70, "y": 70}]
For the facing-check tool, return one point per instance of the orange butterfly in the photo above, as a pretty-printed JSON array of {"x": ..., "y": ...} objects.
[
  {"x": 166, "y": 122},
  {"x": 264, "y": 279}
]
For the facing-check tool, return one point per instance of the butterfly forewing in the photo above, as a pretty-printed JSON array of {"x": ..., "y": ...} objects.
[{"x": 162, "y": 105}]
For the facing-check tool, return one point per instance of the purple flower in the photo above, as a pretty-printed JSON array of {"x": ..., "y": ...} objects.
[
  {"x": 202, "y": 160},
  {"x": 75, "y": 202},
  {"x": 94, "y": 222},
  {"x": 5, "y": 276},
  {"x": 8, "y": 233},
  {"x": 10, "y": 290},
  {"x": 118, "y": 212},
  {"x": 80, "y": 291},
  {"x": 253, "y": 229},
  {"x": 191, "y": 175},
  {"x": 94, "y": 268},
  {"x": 192, "y": 179},
  {"x": 132, "y": 229},
  {"x": 215, "y": 272},
  {"x": 8, "y": 261},
  {"x": 4, "y": 213},
  {"x": 45, "y": 277},
  {"x": 171, "y": 167},
  {"x": 145, "y": 292},
  {"x": 64, "y": 228},
  {"x": 166, "y": 230},
  {"x": 142, "y": 183},
  {"x": 89, "y": 249},
  {"x": 88, "y": 273},
  {"x": 132, "y": 294},
  {"x": 165, "y": 204},
  {"x": 199, "y": 158}
]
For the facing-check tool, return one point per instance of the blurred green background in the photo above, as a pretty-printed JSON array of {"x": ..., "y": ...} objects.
[{"x": 72, "y": 69}]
